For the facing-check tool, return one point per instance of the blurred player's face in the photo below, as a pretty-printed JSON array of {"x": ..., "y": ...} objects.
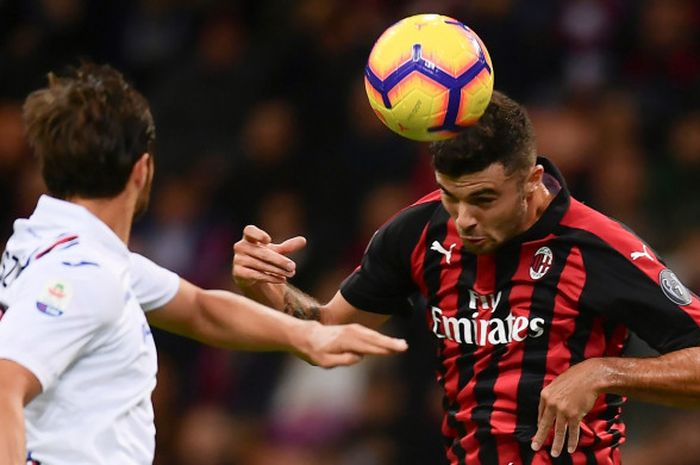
[{"x": 488, "y": 207}]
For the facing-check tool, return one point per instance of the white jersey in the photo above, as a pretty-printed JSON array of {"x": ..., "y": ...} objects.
[{"x": 74, "y": 298}]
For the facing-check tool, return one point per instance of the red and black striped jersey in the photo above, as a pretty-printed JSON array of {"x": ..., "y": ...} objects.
[{"x": 567, "y": 289}]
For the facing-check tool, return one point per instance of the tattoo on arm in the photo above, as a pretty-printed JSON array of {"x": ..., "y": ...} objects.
[{"x": 300, "y": 305}]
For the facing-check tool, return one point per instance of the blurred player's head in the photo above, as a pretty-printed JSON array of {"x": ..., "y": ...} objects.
[
  {"x": 93, "y": 134},
  {"x": 488, "y": 175}
]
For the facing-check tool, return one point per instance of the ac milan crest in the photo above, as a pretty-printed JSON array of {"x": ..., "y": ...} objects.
[{"x": 541, "y": 262}]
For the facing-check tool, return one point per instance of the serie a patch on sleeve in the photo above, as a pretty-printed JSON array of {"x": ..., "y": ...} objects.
[
  {"x": 674, "y": 288},
  {"x": 54, "y": 297}
]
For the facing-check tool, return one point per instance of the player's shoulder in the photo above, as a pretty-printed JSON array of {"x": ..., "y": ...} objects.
[
  {"x": 404, "y": 228},
  {"x": 77, "y": 260},
  {"x": 593, "y": 230},
  {"x": 418, "y": 213},
  {"x": 139, "y": 262},
  {"x": 73, "y": 282}
]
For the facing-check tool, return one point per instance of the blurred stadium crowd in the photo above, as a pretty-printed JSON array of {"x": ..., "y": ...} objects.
[{"x": 262, "y": 118}]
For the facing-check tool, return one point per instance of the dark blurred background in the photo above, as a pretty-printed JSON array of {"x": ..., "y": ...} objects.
[{"x": 262, "y": 118}]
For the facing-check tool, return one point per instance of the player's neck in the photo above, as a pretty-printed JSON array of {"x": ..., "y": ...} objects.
[
  {"x": 116, "y": 212},
  {"x": 541, "y": 198}
]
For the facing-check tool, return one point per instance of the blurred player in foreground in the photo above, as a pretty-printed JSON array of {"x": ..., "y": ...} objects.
[
  {"x": 529, "y": 293},
  {"x": 77, "y": 359}
]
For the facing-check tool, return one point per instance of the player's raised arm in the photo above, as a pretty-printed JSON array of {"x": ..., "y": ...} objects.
[
  {"x": 261, "y": 269},
  {"x": 228, "y": 320}
]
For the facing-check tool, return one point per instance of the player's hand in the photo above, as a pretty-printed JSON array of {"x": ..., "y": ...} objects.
[
  {"x": 564, "y": 403},
  {"x": 256, "y": 259},
  {"x": 340, "y": 345}
]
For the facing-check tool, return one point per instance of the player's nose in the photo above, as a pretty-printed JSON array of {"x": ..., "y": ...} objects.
[{"x": 465, "y": 220}]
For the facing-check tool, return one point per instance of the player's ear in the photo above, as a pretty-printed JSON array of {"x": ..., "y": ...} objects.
[
  {"x": 534, "y": 178},
  {"x": 141, "y": 171}
]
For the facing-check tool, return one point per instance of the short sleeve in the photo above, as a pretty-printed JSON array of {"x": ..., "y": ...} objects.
[
  {"x": 638, "y": 290},
  {"x": 55, "y": 313},
  {"x": 153, "y": 285},
  {"x": 383, "y": 282}
]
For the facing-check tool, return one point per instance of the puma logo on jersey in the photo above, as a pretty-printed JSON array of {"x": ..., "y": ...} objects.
[
  {"x": 645, "y": 253},
  {"x": 437, "y": 247}
]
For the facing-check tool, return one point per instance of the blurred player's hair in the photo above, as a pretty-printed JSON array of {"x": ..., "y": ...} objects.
[
  {"x": 504, "y": 134},
  {"x": 88, "y": 128}
]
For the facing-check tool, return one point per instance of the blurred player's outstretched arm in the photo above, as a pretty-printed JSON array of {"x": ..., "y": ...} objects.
[
  {"x": 228, "y": 320},
  {"x": 261, "y": 269},
  {"x": 17, "y": 387}
]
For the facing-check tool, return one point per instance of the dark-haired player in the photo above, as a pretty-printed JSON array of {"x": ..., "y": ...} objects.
[
  {"x": 529, "y": 293},
  {"x": 77, "y": 359}
]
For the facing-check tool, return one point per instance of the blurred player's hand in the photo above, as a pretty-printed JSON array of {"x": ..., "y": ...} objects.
[
  {"x": 257, "y": 259},
  {"x": 330, "y": 346},
  {"x": 564, "y": 403}
]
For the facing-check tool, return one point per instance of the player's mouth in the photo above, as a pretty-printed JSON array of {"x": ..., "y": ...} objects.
[{"x": 473, "y": 240}]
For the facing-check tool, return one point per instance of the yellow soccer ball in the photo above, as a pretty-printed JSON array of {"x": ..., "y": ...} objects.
[{"x": 429, "y": 76}]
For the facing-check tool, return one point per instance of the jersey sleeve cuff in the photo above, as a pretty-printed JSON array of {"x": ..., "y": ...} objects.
[
  {"x": 172, "y": 285},
  {"x": 38, "y": 369},
  {"x": 373, "y": 305}
]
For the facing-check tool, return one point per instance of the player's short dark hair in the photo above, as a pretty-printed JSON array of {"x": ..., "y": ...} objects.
[
  {"x": 503, "y": 135},
  {"x": 88, "y": 128}
]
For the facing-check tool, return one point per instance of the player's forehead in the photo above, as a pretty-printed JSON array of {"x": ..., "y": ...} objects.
[{"x": 493, "y": 178}]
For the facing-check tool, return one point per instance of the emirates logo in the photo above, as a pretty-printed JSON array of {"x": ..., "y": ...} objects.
[{"x": 541, "y": 262}]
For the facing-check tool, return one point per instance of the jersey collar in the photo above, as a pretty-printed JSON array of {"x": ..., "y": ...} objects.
[{"x": 54, "y": 212}]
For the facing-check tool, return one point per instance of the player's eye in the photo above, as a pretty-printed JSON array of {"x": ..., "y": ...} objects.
[
  {"x": 483, "y": 201},
  {"x": 447, "y": 196}
]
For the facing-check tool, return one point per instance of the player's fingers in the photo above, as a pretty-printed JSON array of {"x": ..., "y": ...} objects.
[
  {"x": 263, "y": 258},
  {"x": 342, "y": 359},
  {"x": 543, "y": 427},
  {"x": 290, "y": 245},
  {"x": 246, "y": 262},
  {"x": 574, "y": 432},
  {"x": 370, "y": 348},
  {"x": 380, "y": 342},
  {"x": 560, "y": 426},
  {"x": 247, "y": 275},
  {"x": 252, "y": 233}
]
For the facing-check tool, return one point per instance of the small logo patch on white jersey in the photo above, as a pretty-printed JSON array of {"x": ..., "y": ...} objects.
[{"x": 54, "y": 298}]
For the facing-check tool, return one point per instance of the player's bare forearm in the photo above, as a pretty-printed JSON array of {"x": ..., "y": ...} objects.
[
  {"x": 268, "y": 294},
  {"x": 17, "y": 387},
  {"x": 12, "y": 449},
  {"x": 225, "y": 319},
  {"x": 285, "y": 298},
  {"x": 300, "y": 305},
  {"x": 671, "y": 379},
  {"x": 231, "y": 321},
  {"x": 228, "y": 320}
]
